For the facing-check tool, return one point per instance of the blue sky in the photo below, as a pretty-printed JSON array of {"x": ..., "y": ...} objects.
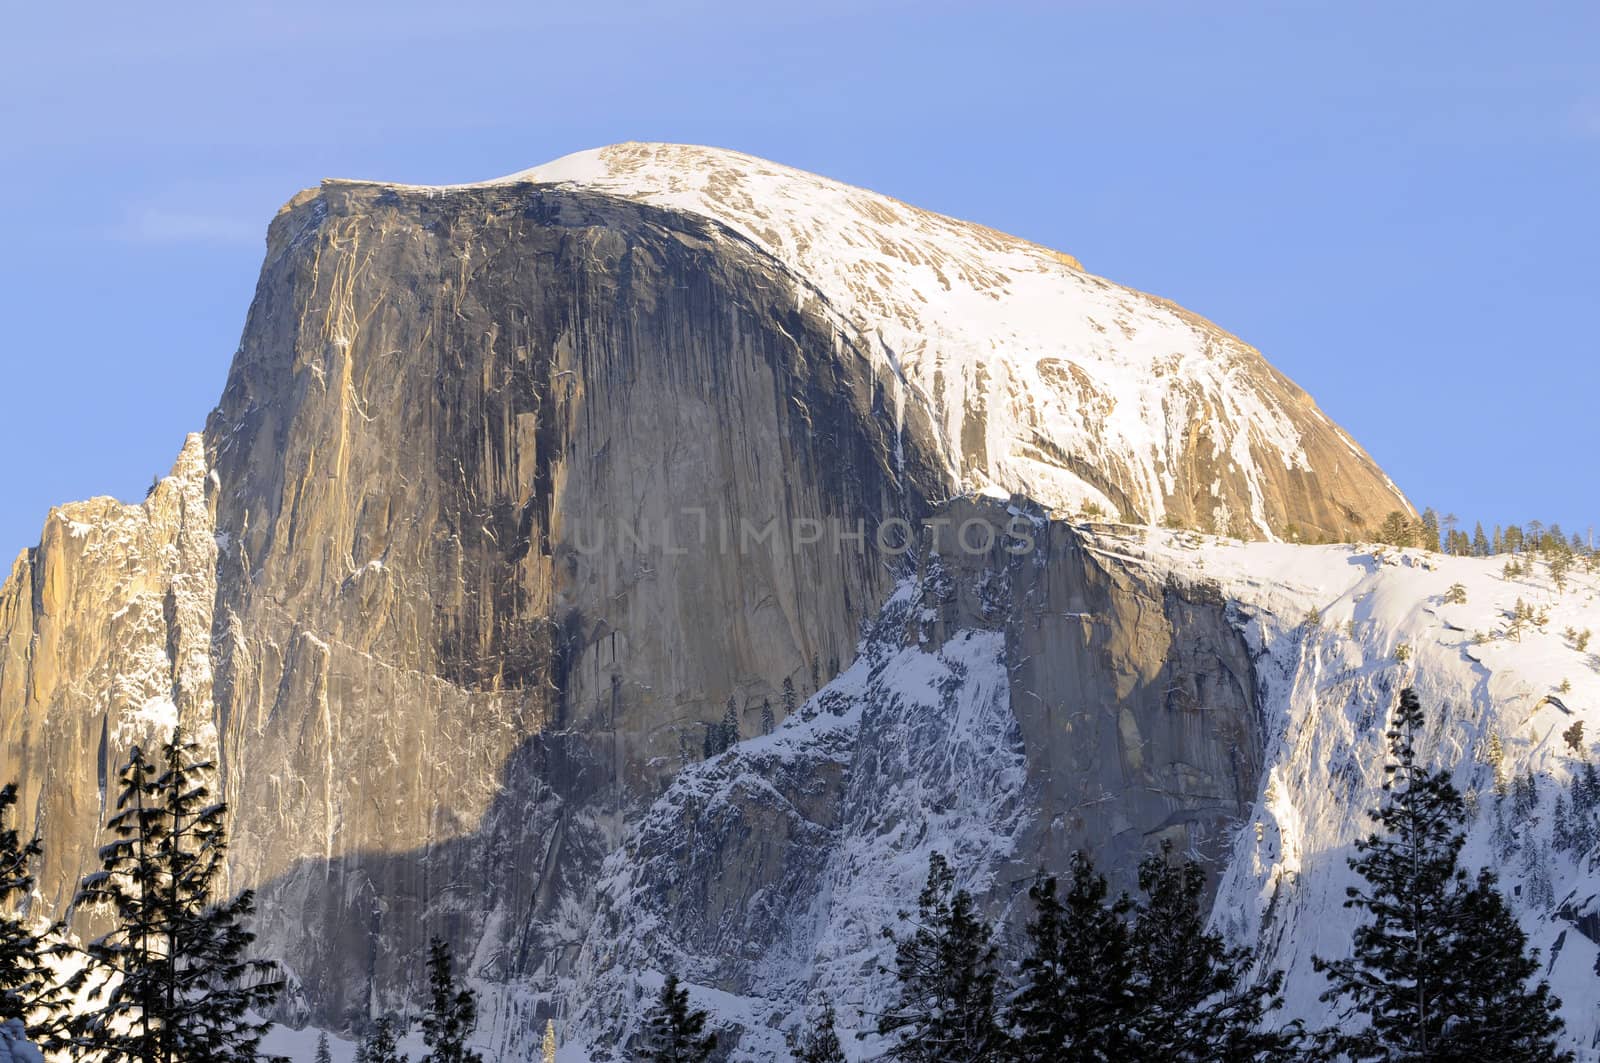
[{"x": 1396, "y": 202}]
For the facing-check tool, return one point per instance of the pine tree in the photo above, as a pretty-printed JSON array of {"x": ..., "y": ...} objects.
[
  {"x": 1198, "y": 1006},
  {"x": 1396, "y": 530},
  {"x": 1500, "y": 1017},
  {"x": 1539, "y": 891},
  {"x": 1430, "y": 529},
  {"x": 673, "y": 1032},
  {"x": 1480, "y": 541},
  {"x": 170, "y": 980},
  {"x": 730, "y": 725},
  {"x": 547, "y": 1050},
  {"x": 1521, "y": 614},
  {"x": 324, "y": 1052},
  {"x": 1494, "y": 755},
  {"x": 1419, "y": 972},
  {"x": 1076, "y": 997},
  {"x": 452, "y": 1012},
  {"x": 819, "y": 1042},
  {"x": 946, "y": 968},
  {"x": 1524, "y": 795},
  {"x": 380, "y": 1045},
  {"x": 1586, "y": 789},
  {"x": 27, "y": 991},
  {"x": 768, "y": 721},
  {"x": 1564, "y": 834}
]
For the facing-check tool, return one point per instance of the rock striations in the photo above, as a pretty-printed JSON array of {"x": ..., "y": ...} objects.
[{"x": 514, "y": 487}]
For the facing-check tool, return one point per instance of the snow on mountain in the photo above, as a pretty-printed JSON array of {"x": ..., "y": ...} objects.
[
  {"x": 911, "y": 750},
  {"x": 1339, "y": 631},
  {"x": 923, "y": 739},
  {"x": 1043, "y": 378}
]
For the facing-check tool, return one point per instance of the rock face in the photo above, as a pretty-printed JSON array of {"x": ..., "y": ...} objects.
[
  {"x": 513, "y": 487},
  {"x": 1010, "y": 706},
  {"x": 107, "y": 641}
]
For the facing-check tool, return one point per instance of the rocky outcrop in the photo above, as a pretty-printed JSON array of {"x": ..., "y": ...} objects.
[
  {"x": 1019, "y": 697},
  {"x": 105, "y": 641}
]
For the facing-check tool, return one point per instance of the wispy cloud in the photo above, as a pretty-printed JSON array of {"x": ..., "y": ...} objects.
[{"x": 155, "y": 225}]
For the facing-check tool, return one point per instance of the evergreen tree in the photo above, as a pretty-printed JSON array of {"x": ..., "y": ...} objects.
[
  {"x": 1586, "y": 789},
  {"x": 768, "y": 721},
  {"x": 1494, "y": 755},
  {"x": 1076, "y": 996},
  {"x": 1539, "y": 891},
  {"x": 1501, "y": 1019},
  {"x": 1560, "y": 567},
  {"x": 1448, "y": 523},
  {"x": 1565, "y": 836},
  {"x": 1430, "y": 529},
  {"x": 1420, "y": 972},
  {"x": 946, "y": 967},
  {"x": 380, "y": 1045},
  {"x": 27, "y": 991},
  {"x": 170, "y": 981},
  {"x": 1197, "y": 1004},
  {"x": 819, "y": 1043},
  {"x": 730, "y": 726},
  {"x": 673, "y": 1033},
  {"x": 1480, "y": 541},
  {"x": 324, "y": 1053},
  {"x": 1524, "y": 795},
  {"x": 1396, "y": 530},
  {"x": 452, "y": 1012}
]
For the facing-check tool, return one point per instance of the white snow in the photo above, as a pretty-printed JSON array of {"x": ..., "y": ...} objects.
[
  {"x": 1327, "y": 688},
  {"x": 996, "y": 337},
  {"x": 1324, "y": 625}
]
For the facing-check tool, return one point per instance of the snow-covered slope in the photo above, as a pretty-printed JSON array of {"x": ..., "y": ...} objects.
[
  {"x": 1340, "y": 631},
  {"x": 1042, "y": 378},
  {"x": 919, "y": 744},
  {"x": 912, "y": 750}
]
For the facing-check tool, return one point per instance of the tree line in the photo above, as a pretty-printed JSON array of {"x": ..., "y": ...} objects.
[
  {"x": 172, "y": 980},
  {"x": 1438, "y": 970},
  {"x": 1447, "y": 535}
]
